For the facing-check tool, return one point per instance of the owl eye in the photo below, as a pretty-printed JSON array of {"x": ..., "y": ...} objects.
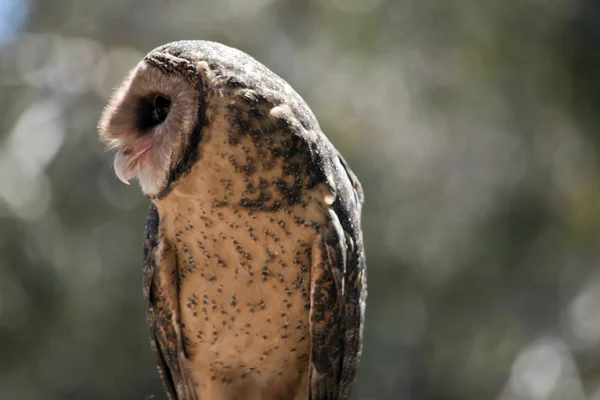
[
  {"x": 151, "y": 111},
  {"x": 162, "y": 105}
]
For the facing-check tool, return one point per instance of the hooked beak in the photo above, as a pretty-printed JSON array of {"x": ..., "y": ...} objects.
[{"x": 131, "y": 159}]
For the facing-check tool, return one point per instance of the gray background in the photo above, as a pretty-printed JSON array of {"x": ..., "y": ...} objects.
[{"x": 473, "y": 127}]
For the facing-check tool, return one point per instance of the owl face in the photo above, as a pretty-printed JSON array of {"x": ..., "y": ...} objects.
[{"x": 149, "y": 120}]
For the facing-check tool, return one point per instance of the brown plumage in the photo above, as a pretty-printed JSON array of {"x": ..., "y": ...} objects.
[{"x": 254, "y": 271}]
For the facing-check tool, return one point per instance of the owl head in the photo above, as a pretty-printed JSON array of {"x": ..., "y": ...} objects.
[
  {"x": 159, "y": 119},
  {"x": 153, "y": 118}
]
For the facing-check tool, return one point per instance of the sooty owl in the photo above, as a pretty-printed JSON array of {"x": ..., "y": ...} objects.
[{"x": 254, "y": 269}]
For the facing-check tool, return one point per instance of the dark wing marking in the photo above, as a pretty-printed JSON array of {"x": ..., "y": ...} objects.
[
  {"x": 359, "y": 195},
  {"x": 338, "y": 292},
  {"x": 355, "y": 279},
  {"x": 161, "y": 312}
]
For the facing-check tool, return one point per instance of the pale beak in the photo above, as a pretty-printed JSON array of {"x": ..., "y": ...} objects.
[{"x": 130, "y": 160}]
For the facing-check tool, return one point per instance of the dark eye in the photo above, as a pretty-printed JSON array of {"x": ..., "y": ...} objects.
[
  {"x": 151, "y": 111},
  {"x": 162, "y": 105}
]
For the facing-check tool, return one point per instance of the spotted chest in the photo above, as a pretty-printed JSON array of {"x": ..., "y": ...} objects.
[{"x": 243, "y": 280}]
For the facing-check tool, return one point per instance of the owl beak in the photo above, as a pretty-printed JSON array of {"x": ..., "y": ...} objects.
[{"x": 130, "y": 160}]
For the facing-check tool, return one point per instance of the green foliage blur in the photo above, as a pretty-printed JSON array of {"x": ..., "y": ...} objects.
[{"x": 473, "y": 127}]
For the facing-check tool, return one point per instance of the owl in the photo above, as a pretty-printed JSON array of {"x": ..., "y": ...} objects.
[{"x": 254, "y": 268}]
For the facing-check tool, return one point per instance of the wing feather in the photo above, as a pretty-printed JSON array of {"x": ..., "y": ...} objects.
[
  {"x": 162, "y": 307},
  {"x": 338, "y": 292}
]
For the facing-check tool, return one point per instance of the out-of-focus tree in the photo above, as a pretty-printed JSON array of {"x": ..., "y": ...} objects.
[{"x": 473, "y": 127}]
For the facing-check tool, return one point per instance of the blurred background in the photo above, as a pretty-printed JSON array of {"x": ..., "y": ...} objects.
[{"x": 473, "y": 127}]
